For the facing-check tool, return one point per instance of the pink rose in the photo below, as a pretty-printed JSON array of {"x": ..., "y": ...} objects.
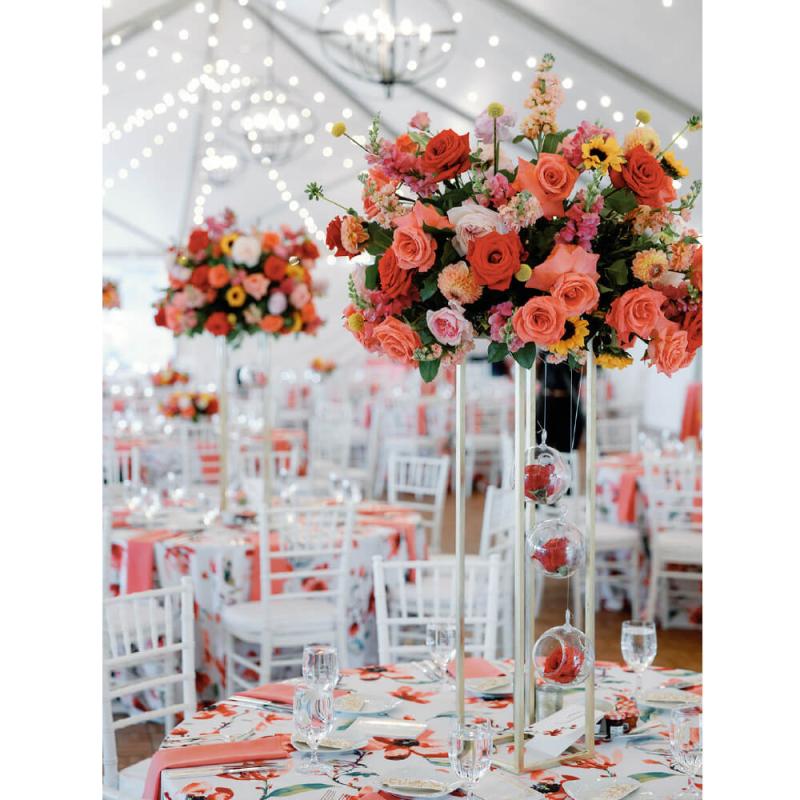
[
  {"x": 563, "y": 259},
  {"x": 421, "y": 121},
  {"x": 576, "y": 292},
  {"x": 472, "y": 221},
  {"x": 255, "y": 285},
  {"x": 413, "y": 247},
  {"x": 669, "y": 350},
  {"x": 277, "y": 303},
  {"x": 300, "y": 295},
  {"x": 448, "y": 325},
  {"x": 540, "y": 320},
  {"x": 638, "y": 312}
]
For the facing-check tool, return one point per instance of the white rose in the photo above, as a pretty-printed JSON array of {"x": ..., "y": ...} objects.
[
  {"x": 246, "y": 250},
  {"x": 277, "y": 303},
  {"x": 471, "y": 221}
]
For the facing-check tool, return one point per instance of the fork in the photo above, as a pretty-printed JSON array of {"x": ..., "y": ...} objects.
[{"x": 329, "y": 795}]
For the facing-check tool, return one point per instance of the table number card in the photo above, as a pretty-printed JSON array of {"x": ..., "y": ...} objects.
[{"x": 553, "y": 735}]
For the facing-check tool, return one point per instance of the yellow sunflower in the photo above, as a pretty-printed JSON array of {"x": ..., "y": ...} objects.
[
  {"x": 576, "y": 330},
  {"x": 226, "y": 242},
  {"x": 297, "y": 322},
  {"x": 614, "y": 360},
  {"x": 673, "y": 166},
  {"x": 235, "y": 296},
  {"x": 602, "y": 154}
]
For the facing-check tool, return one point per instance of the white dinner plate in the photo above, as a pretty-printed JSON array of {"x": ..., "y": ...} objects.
[
  {"x": 473, "y": 686},
  {"x": 352, "y": 745},
  {"x": 373, "y": 706},
  {"x": 669, "y": 698},
  {"x": 600, "y": 788},
  {"x": 449, "y": 786}
]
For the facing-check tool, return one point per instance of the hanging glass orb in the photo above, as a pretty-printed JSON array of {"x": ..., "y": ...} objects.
[
  {"x": 547, "y": 475},
  {"x": 557, "y": 545},
  {"x": 562, "y": 656}
]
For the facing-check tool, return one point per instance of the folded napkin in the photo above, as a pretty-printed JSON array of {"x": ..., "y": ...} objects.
[
  {"x": 476, "y": 668},
  {"x": 141, "y": 559},
  {"x": 282, "y": 693},
  {"x": 270, "y": 747}
]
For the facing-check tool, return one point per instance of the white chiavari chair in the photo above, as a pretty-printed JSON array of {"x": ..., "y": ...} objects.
[
  {"x": 666, "y": 473},
  {"x": 304, "y": 555},
  {"x": 199, "y": 439},
  {"x": 420, "y": 484},
  {"x": 285, "y": 464},
  {"x": 151, "y": 633},
  {"x": 404, "y": 608},
  {"x": 122, "y": 467},
  {"x": 617, "y": 435},
  {"x": 676, "y": 550}
]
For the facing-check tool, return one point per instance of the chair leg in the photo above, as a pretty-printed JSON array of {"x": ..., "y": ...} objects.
[
  {"x": 633, "y": 583},
  {"x": 664, "y": 603},
  {"x": 229, "y": 665},
  {"x": 652, "y": 591},
  {"x": 265, "y": 665}
]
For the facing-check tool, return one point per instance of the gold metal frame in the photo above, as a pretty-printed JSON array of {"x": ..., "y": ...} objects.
[{"x": 222, "y": 395}]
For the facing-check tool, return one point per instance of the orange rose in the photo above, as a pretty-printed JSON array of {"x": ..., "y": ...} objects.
[
  {"x": 199, "y": 277},
  {"x": 413, "y": 247},
  {"x": 693, "y": 325},
  {"x": 394, "y": 281},
  {"x": 271, "y": 323},
  {"x": 669, "y": 351},
  {"x": 540, "y": 320},
  {"x": 270, "y": 240},
  {"x": 446, "y": 155},
  {"x": 494, "y": 258},
  {"x": 218, "y": 276},
  {"x": 644, "y": 176},
  {"x": 397, "y": 340},
  {"x": 638, "y": 312},
  {"x": 275, "y": 268},
  {"x": 576, "y": 292},
  {"x": 550, "y": 181}
]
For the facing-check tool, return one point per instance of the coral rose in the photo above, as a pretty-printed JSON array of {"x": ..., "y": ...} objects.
[
  {"x": 413, "y": 247},
  {"x": 425, "y": 214},
  {"x": 397, "y": 340},
  {"x": 255, "y": 285},
  {"x": 550, "y": 181},
  {"x": 218, "y": 276},
  {"x": 564, "y": 258},
  {"x": 218, "y": 324},
  {"x": 394, "y": 281},
  {"x": 333, "y": 237},
  {"x": 540, "y": 320},
  {"x": 638, "y": 312},
  {"x": 495, "y": 258},
  {"x": 669, "y": 351},
  {"x": 643, "y": 175},
  {"x": 446, "y": 155},
  {"x": 198, "y": 241},
  {"x": 275, "y": 268},
  {"x": 693, "y": 325},
  {"x": 199, "y": 277},
  {"x": 271, "y": 323},
  {"x": 576, "y": 292}
]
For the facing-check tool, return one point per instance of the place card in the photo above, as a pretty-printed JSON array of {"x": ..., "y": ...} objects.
[
  {"x": 388, "y": 728},
  {"x": 499, "y": 785},
  {"x": 551, "y": 736}
]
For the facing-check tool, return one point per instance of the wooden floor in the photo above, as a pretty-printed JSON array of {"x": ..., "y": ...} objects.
[{"x": 676, "y": 647}]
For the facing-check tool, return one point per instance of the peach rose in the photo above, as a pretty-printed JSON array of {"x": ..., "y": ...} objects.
[
  {"x": 693, "y": 325},
  {"x": 397, "y": 340},
  {"x": 272, "y": 323},
  {"x": 564, "y": 258},
  {"x": 576, "y": 292},
  {"x": 255, "y": 285},
  {"x": 550, "y": 181},
  {"x": 219, "y": 276},
  {"x": 427, "y": 214},
  {"x": 669, "y": 350},
  {"x": 638, "y": 312},
  {"x": 413, "y": 247},
  {"x": 540, "y": 320}
]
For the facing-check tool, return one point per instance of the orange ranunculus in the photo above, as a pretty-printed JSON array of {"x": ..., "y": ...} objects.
[
  {"x": 446, "y": 155},
  {"x": 270, "y": 240},
  {"x": 494, "y": 258},
  {"x": 397, "y": 340},
  {"x": 563, "y": 259},
  {"x": 275, "y": 268},
  {"x": 394, "y": 281},
  {"x": 272, "y": 323},
  {"x": 218, "y": 276},
  {"x": 645, "y": 177},
  {"x": 550, "y": 181},
  {"x": 405, "y": 144},
  {"x": 540, "y": 320}
]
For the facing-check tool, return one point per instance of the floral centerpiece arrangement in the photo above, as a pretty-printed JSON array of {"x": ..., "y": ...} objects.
[
  {"x": 191, "y": 405},
  {"x": 586, "y": 238},
  {"x": 110, "y": 293},
  {"x": 232, "y": 283},
  {"x": 322, "y": 366},
  {"x": 169, "y": 377}
]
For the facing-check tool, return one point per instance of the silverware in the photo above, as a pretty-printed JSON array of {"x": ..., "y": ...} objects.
[
  {"x": 329, "y": 795},
  {"x": 212, "y": 769}
]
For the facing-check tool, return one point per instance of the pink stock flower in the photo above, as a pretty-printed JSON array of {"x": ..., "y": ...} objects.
[
  {"x": 484, "y": 127},
  {"x": 581, "y": 225},
  {"x": 572, "y": 146},
  {"x": 564, "y": 258},
  {"x": 448, "y": 324},
  {"x": 498, "y": 317},
  {"x": 499, "y": 188}
]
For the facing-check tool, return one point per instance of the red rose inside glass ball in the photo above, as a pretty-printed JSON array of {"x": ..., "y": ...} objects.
[
  {"x": 538, "y": 481},
  {"x": 553, "y": 555},
  {"x": 563, "y": 665}
]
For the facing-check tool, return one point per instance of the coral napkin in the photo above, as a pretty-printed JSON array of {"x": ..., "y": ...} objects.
[
  {"x": 476, "y": 668},
  {"x": 282, "y": 693},
  {"x": 141, "y": 558},
  {"x": 270, "y": 747}
]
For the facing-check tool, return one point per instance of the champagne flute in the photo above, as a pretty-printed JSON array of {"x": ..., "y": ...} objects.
[
  {"x": 686, "y": 744},
  {"x": 313, "y": 716},
  {"x": 321, "y": 665},
  {"x": 639, "y": 647},
  {"x": 470, "y": 752},
  {"x": 440, "y": 638}
]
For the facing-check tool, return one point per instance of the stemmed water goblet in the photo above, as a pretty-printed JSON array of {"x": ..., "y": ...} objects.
[
  {"x": 639, "y": 646},
  {"x": 321, "y": 665},
  {"x": 313, "y": 716},
  {"x": 470, "y": 752},
  {"x": 440, "y": 638},
  {"x": 686, "y": 744}
]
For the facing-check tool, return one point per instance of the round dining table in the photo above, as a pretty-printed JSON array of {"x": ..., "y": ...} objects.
[{"x": 411, "y": 740}]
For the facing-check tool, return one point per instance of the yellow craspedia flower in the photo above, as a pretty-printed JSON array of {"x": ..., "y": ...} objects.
[
  {"x": 295, "y": 271},
  {"x": 297, "y": 322},
  {"x": 226, "y": 242},
  {"x": 355, "y": 322},
  {"x": 235, "y": 296},
  {"x": 576, "y": 329},
  {"x": 643, "y": 116},
  {"x": 602, "y": 154},
  {"x": 643, "y": 135},
  {"x": 523, "y": 273},
  {"x": 495, "y": 110},
  {"x": 232, "y": 319},
  {"x": 338, "y": 129},
  {"x": 673, "y": 166},
  {"x": 614, "y": 360}
]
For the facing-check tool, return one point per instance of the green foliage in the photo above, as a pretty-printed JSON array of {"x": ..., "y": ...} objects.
[
  {"x": 429, "y": 286},
  {"x": 371, "y": 277},
  {"x": 428, "y": 369},
  {"x": 380, "y": 239},
  {"x": 525, "y": 356},
  {"x": 618, "y": 272},
  {"x": 622, "y": 201},
  {"x": 497, "y": 352},
  {"x": 553, "y": 140}
]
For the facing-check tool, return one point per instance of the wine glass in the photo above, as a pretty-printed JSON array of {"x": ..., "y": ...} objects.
[
  {"x": 321, "y": 665},
  {"x": 313, "y": 716},
  {"x": 470, "y": 752},
  {"x": 686, "y": 743},
  {"x": 639, "y": 647},
  {"x": 440, "y": 638}
]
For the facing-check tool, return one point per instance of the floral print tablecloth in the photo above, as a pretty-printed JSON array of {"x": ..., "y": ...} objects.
[{"x": 644, "y": 759}]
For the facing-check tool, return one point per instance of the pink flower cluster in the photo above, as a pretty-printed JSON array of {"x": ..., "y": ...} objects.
[
  {"x": 572, "y": 146},
  {"x": 581, "y": 225}
]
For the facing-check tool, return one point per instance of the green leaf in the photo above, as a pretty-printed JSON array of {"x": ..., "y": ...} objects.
[
  {"x": 644, "y": 777},
  {"x": 497, "y": 352},
  {"x": 622, "y": 201},
  {"x": 604, "y": 289},
  {"x": 429, "y": 287},
  {"x": 371, "y": 276},
  {"x": 449, "y": 254},
  {"x": 380, "y": 239},
  {"x": 419, "y": 138},
  {"x": 428, "y": 369},
  {"x": 518, "y": 138},
  {"x": 553, "y": 140},
  {"x": 618, "y": 272},
  {"x": 286, "y": 791},
  {"x": 525, "y": 356}
]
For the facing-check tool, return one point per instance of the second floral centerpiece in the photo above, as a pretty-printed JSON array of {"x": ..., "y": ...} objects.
[{"x": 585, "y": 239}]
